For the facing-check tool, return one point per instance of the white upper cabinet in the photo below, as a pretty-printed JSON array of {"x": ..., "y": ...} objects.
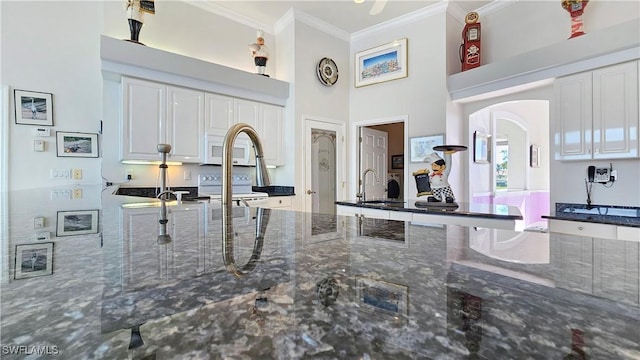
[
  {"x": 155, "y": 113},
  {"x": 596, "y": 114},
  {"x": 267, "y": 120},
  {"x": 270, "y": 128},
  {"x": 144, "y": 115},
  {"x": 185, "y": 123},
  {"x": 218, "y": 114},
  {"x": 615, "y": 111}
]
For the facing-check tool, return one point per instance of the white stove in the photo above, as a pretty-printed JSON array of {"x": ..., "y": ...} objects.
[{"x": 210, "y": 184}]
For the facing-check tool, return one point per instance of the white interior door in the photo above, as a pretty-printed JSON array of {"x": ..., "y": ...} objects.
[
  {"x": 373, "y": 155},
  {"x": 324, "y": 159}
]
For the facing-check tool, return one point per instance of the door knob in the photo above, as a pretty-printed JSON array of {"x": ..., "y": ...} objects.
[{"x": 309, "y": 192}]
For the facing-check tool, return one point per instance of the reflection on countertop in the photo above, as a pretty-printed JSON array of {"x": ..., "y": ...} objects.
[{"x": 324, "y": 286}]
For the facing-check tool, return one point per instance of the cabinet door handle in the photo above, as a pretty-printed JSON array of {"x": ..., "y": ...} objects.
[{"x": 580, "y": 228}]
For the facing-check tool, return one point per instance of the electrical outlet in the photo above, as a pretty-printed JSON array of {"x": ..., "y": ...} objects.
[
  {"x": 187, "y": 174},
  {"x": 129, "y": 174},
  {"x": 614, "y": 175},
  {"x": 77, "y": 193},
  {"x": 77, "y": 174}
]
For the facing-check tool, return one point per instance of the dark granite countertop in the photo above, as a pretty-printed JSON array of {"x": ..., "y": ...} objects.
[
  {"x": 489, "y": 211},
  {"x": 315, "y": 287},
  {"x": 600, "y": 214}
]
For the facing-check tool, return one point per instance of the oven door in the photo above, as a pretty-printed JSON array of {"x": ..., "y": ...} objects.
[{"x": 240, "y": 155}]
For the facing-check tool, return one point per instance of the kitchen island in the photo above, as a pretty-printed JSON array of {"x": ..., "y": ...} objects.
[
  {"x": 315, "y": 286},
  {"x": 465, "y": 214}
]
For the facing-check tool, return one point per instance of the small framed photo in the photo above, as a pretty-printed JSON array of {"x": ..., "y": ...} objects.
[
  {"x": 77, "y": 222},
  {"x": 33, "y": 260},
  {"x": 74, "y": 144},
  {"x": 397, "y": 161},
  {"x": 534, "y": 156},
  {"x": 382, "y": 63},
  {"x": 382, "y": 298},
  {"x": 33, "y": 108},
  {"x": 422, "y": 146},
  {"x": 480, "y": 147}
]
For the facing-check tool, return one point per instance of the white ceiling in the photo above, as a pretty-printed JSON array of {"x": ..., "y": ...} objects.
[{"x": 342, "y": 14}]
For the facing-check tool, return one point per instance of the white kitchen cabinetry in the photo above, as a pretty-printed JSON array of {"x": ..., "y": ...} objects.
[
  {"x": 278, "y": 202},
  {"x": 218, "y": 114},
  {"x": 155, "y": 113},
  {"x": 223, "y": 111},
  {"x": 603, "y": 231},
  {"x": 596, "y": 113},
  {"x": 270, "y": 128}
]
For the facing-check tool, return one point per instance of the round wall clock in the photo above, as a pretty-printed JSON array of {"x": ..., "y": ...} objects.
[{"x": 327, "y": 71}]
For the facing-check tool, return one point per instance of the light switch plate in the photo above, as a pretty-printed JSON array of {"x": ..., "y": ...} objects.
[{"x": 38, "y": 222}]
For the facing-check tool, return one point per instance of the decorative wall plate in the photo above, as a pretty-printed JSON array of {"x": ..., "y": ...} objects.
[{"x": 327, "y": 71}]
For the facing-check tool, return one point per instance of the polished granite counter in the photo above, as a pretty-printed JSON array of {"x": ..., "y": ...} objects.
[
  {"x": 474, "y": 210},
  {"x": 314, "y": 287},
  {"x": 599, "y": 214}
]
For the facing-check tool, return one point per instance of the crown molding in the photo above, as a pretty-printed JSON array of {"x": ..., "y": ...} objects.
[
  {"x": 420, "y": 14},
  {"x": 314, "y": 22},
  {"x": 495, "y": 6},
  {"x": 217, "y": 9},
  {"x": 456, "y": 12}
]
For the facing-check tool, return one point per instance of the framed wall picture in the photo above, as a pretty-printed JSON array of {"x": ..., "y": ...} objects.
[
  {"x": 480, "y": 147},
  {"x": 422, "y": 146},
  {"x": 397, "y": 161},
  {"x": 77, "y": 222},
  {"x": 33, "y": 260},
  {"x": 382, "y": 63},
  {"x": 33, "y": 108},
  {"x": 534, "y": 156},
  {"x": 74, "y": 144}
]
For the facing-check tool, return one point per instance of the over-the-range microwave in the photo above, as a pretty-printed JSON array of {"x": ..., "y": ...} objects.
[{"x": 242, "y": 150}]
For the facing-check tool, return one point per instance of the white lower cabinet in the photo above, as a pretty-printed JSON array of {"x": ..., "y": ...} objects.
[
  {"x": 603, "y": 231},
  {"x": 278, "y": 202}
]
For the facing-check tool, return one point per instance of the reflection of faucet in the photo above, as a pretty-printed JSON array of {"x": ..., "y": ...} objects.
[
  {"x": 163, "y": 238},
  {"x": 363, "y": 194},
  {"x": 262, "y": 215},
  {"x": 262, "y": 220}
]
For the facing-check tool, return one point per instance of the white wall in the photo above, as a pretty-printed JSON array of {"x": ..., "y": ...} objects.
[
  {"x": 312, "y": 99},
  {"x": 57, "y": 53},
  {"x": 421, "y": 96},
  {"x": 523, "y": 26}
]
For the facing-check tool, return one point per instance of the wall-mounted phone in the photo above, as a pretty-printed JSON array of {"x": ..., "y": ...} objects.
[{"x": 598, "y": 175}]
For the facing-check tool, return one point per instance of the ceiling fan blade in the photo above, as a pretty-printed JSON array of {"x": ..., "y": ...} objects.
[{"x": 377, "y": 7}]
